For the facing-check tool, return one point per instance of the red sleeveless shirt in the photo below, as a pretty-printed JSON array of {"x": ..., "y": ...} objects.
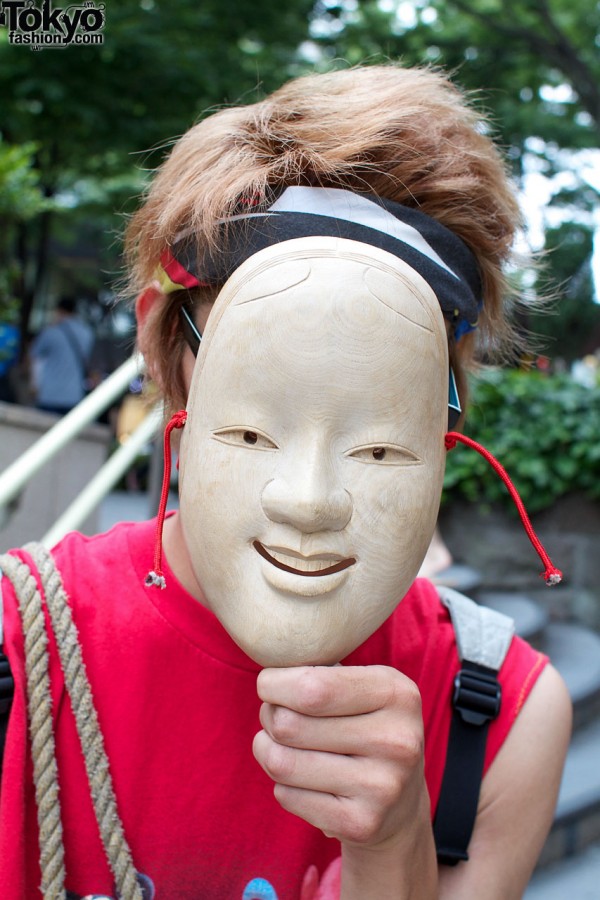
[{"x": 177, "y": 703}]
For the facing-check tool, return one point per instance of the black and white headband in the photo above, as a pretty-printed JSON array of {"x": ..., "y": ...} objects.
[
  {"x": 430, "y": 248},
  {"x": 434, "y": 251}
]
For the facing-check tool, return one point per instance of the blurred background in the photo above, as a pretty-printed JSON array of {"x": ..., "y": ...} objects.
[{"x": 82, "y": 127}]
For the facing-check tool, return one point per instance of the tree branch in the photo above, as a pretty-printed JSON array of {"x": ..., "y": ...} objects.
[{"x": 554, "y": 46}]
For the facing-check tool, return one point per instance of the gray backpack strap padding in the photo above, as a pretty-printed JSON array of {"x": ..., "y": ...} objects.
[{"x": 483, "y": 635}]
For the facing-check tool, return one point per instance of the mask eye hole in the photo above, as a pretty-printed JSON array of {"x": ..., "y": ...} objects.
[
  {"x": 383, "y": 454},
  {"x": 241, "y": 436}
]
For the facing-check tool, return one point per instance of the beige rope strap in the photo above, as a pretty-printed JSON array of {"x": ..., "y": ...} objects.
[
  {"x": 40, "y": 726},
  {"x": 39, "y": 707},
  {"x": 88, "y": 728}
]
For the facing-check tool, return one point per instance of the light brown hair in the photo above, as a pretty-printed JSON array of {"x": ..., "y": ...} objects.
[{"x": 404, "y": 134}]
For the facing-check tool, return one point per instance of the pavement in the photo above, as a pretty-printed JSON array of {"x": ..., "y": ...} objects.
[{"x": 571, "y": 879}]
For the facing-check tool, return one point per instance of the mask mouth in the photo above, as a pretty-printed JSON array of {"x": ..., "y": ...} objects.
[{"x": 311, "y": 566}]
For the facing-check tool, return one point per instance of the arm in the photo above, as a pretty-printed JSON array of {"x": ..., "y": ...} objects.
[{"x": 345, "y": 749}]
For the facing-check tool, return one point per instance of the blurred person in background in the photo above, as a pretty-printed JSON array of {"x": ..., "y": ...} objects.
[{"x": 59, "y": 360}]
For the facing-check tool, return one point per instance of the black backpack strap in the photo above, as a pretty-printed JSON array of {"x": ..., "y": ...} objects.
[
  {"x": 7, "y": 689},
  {"x": 483, "y": 637},
  {"x": 7, "y": 685}
]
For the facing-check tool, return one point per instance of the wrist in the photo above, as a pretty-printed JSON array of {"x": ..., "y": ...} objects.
[{"x": 403, "y": 866}]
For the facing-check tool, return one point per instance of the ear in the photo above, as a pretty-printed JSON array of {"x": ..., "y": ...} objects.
[
  {"x": 146, "y": 306},
  {"x": 147, "y": 302}
]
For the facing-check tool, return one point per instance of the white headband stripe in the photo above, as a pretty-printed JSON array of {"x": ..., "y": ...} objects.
[
  {"x": 432, "y": 249},
  {"x": 336, "y": 203}
]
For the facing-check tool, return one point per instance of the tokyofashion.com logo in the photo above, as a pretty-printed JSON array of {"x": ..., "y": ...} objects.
[{"x": 40, "y": 26}]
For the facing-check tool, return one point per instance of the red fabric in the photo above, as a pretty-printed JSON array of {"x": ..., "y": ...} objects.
[
  {"x": 178, "y": 707},
  {"x": 176, "y": 272}
]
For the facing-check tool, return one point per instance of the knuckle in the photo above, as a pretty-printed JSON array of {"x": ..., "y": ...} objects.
[
  {"x": 313, "y": 693},
  {"x": 284, "y": 725},
  {"x": 412, "y": 749},
  {"x": 407, "y": 749},
  {"x": 404, "y": 693},
  {"x": 402, "y": 743},
  {"x": 362, "y": 826},
  {"x": 383, "y": 786},
  {"x": 279, "y": 762},
  {"x": 413, "y": 698}
]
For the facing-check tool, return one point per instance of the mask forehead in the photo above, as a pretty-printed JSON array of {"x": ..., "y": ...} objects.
[
  {"x": 360, "y": 270},
  {"x": 361, "y": 337},
  {"x": 323, "y": 353}
]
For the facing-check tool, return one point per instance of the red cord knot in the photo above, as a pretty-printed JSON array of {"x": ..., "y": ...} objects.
[
  {"x": 551, "y": 574},
  {"x": 154, "y": 580},
  {"x": 155, "y": 577}
]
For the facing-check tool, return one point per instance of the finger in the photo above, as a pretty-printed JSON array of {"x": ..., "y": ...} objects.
[
  {"x": 379, "y": 734},
  {"x": 324, "y": 811},
  {"x": 311, "y": 770},
  {"x": 335, "y": 691},
  {"x": 337, "y": 817},
  {"x": 342, "y": 776}
]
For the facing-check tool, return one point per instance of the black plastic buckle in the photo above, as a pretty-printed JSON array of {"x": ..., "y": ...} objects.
[
  {"x": 477, "y": 694},
  {"x": 7, "y": 685}
]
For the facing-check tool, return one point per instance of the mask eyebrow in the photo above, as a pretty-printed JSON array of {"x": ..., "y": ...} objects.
[{"x": 190, "y": 330}]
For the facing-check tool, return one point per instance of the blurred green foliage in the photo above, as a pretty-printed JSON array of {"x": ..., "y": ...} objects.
[
  {"x": 93, "y": 120},
  {"x": 533, "y": 66},
  {"x": 20, "y": 195},
  {"x": 513, "y": 56},
  {"x": 544, "y": 429},
  {"x": 21, "y": 200},
  {"x": 101, "y": 115}
]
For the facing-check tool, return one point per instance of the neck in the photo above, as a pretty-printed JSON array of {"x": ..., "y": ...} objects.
[{"x": 176, "y": 553}]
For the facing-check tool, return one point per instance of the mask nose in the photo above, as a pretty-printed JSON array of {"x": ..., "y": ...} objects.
[{"x": 308, "y": 496}]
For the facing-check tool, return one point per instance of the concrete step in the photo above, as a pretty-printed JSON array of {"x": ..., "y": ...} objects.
[
  {"x": 575, "y": 652},
  {"x": 577, "y": 820},
  {"x": 530, "y": 617},
  {"x": 577, "y": 878},
  {"x": 460, "y": 578}
]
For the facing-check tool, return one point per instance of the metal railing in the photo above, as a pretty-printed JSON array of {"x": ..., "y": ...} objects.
[{"x": 16, "y": 476}]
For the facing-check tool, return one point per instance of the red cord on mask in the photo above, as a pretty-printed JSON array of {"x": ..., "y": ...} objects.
[
  {"x": 155, "y": 578},
  {"x": 551, "y": 574}
]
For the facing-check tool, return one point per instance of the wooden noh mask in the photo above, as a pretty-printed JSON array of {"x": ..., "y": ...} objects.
[{"x": 312, "y": 460}]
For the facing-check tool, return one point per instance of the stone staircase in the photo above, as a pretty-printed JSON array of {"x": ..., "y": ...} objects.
[{"x": 575, "y": 652}]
